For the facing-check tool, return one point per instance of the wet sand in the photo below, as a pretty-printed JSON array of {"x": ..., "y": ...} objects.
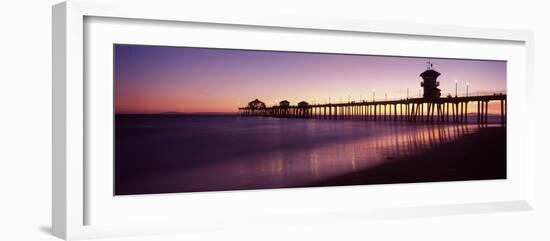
[{"x": 477, "y": 156}]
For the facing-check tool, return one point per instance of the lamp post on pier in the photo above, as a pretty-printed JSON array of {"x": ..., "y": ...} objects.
[{"x": 467, "y": 85}]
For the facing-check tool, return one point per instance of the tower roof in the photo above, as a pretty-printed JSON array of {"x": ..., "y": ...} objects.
[{"x": 430, "y": 73}]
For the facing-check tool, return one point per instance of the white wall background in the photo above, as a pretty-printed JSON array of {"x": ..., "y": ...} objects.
[{"x": 25, "y": 119}]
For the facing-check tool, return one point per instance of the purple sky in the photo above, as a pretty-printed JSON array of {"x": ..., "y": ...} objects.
[{"x": 153, "y": 79}]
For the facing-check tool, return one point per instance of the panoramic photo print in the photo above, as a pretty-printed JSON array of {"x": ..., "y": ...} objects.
[{"x": 191, "y": 119}]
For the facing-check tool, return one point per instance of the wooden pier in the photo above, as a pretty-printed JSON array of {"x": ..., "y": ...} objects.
[{"x": 448, "y": 109}]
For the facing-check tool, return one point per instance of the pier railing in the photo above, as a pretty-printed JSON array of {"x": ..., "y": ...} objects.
[{"x": 447, "y": 109}]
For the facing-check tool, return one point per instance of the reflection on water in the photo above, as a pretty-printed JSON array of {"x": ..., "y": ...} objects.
[
  {"x": 299, "y": 167},
  {"x": 155, "y": 155}
]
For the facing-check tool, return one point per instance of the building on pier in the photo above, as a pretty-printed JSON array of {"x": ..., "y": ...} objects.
[
  {"x": 430, "y": 83},
  {"x": 303, "y": 104},
  {"x": 256, "y": 104},
  {"x": 284, "y": 104}
]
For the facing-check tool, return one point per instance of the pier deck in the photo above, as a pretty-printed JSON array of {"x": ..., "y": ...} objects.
[{"x": 448, "y": 109}]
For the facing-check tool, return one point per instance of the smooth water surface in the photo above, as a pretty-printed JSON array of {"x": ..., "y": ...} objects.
[{"x": 187, "y": 153}]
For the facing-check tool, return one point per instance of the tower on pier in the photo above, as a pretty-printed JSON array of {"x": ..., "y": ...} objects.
[{"x": 430, "y": 82}]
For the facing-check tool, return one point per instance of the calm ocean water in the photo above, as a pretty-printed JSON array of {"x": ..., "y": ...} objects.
[{"x": 187, "y": 153}]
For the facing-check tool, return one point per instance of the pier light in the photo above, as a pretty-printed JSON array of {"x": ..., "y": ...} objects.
[{"x": 467, "y": 85}]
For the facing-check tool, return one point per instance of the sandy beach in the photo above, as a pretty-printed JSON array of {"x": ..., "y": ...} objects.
[{"x": 477, "y": 156}]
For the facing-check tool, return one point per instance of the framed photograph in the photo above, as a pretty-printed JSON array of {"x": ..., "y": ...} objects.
[{"x": 179, "y": 121}]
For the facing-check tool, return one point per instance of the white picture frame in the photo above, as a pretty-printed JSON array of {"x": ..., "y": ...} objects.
[{"x": 71, "y": 189}]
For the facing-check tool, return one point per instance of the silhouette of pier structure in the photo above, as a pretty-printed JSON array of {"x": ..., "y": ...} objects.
[{"x": 431, "y": 107}]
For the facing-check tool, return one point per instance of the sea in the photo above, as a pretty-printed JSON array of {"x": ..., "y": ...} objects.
[{"x": 198, "y": 152}]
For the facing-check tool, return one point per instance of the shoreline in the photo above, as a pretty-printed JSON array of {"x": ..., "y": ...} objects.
[{"x": 466, "y": 159}]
